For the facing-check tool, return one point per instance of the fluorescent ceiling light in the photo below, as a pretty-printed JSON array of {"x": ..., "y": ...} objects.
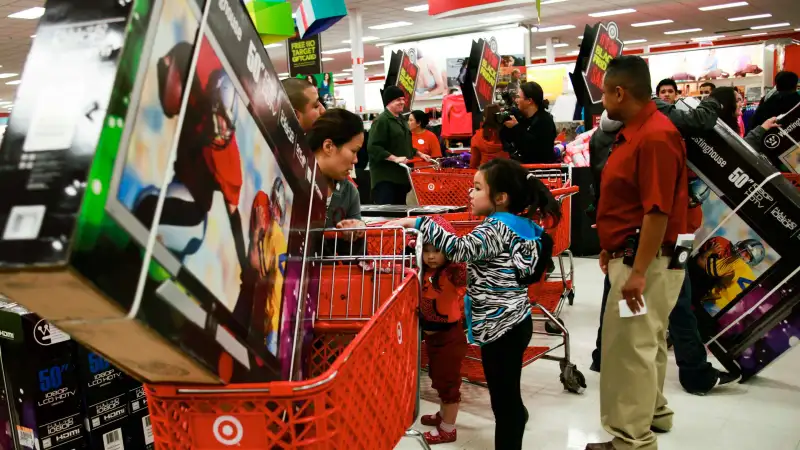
[
  {"x": 497, "y": 19},
  {"x": 275, "y": 45},
  {"x": 386, "y": 26},
  {"x": 550, "y": 2},
  {"x": 774, "y": 25},
  {"x": 33, "y": 36},
  {"x": 553, "y": 28},
  {"x": 8, "y": 75},
  {"x": 634, "y": 41},
  {"x": 663, "y": 44},
  {"x": 559, "y": 45},
  {"x": 796, "y": 29},
  {"x": 336, "y": 51},
  {"x": 418, "y": 8},
  {"x": 347, "y": 70},
  {"x": 757, "y": 16},
  {"x": 283, "y": 75},
  {"x": 6, "y": 103},
  {"x": 31, "y": 13},
  {"x": 723, "y": 6},
  {"x": 687, "y": 30},
  {"x": 383, "y": 44},
  {"x": 754, "y": 34},
  {"x": 615, "y": 12},
  {"x": 14, "y": 83},
  {"x": 340, "y": 75},
  {"x": 326, "y": 59},
  {"x": 653, "y": 23},
  {"x": 708, "y": 38},
  {"x": 509, "y": 26},
  {"x": 373, "y": 63},
  {"x": 363, "y": 39},
  {"x": 574, "y": 53}
]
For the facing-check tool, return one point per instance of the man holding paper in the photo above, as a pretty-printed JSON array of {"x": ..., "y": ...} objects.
[{"x": 642, "y": 210}]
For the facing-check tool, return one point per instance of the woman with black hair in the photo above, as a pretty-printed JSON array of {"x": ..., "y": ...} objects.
[
  {"x": 423, "y": 140},
  {"x": 530, "y": 134},
  {"x": 731, "y": 112}
]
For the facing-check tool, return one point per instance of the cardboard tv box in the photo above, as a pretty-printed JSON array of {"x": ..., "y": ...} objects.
[
  {"x": 41, "y": 382},
  {"x": 159, "y": 187}
]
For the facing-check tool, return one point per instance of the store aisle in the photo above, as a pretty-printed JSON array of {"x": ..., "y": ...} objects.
[{"x": 763, "y": 413}]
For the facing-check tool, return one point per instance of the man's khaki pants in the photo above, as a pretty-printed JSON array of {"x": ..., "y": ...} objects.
[{"x": 634, "y": 355}]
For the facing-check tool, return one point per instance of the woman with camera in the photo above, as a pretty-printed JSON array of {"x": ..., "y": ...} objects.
[
  {"x": 530, "y": 133},
  {"x": 486, "y": 145}
]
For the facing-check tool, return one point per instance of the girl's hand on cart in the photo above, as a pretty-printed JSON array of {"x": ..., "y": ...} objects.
[
  {"x": 407, "y": 222},
  {"x": 398, "y": 159},
  {"x": 352, "y": 223}
]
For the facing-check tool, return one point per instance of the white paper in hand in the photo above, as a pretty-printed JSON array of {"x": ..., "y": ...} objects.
[{"x": 625, "y": 311}]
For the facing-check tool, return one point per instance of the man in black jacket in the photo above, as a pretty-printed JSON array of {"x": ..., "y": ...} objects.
[
  {"x": 696, "y": 374},
  {"x": 530, "y": 135},
  {"x": 778, "y": 101}
]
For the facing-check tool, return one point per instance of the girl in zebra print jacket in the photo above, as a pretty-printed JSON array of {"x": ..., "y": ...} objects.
[{"x": 502, "y": 254}]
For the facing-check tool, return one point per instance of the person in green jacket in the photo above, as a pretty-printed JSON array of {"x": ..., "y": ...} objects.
[{"x": 389, "y": 146}]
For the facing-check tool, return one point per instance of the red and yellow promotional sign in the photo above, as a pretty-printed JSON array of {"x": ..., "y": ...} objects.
[
  {"x": 407, "y": 77},
  {"x": 486, "y": 79},
  {"x": 607, "y": 46}
]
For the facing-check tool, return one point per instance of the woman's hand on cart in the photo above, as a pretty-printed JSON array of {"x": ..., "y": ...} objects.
[
  {"x": 351, "y": 224},
  {"x": 406, "y": 222},
  {"x": 398, "y": 159}
]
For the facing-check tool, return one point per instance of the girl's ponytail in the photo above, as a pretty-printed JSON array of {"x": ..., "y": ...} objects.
[{"x": 542, "y": 205}]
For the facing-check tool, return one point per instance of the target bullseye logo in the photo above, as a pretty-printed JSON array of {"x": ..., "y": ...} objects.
[
  {"x": 431, "y": 187},
  {"x": 399, "y": 333},
  {"x": 228, "y": 430}
]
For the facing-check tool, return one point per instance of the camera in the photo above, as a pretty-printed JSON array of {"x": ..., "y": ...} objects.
[{"x": 503, "y": 116}]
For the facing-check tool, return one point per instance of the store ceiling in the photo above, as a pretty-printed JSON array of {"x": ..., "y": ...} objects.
[{"x": 15, "y": 34}]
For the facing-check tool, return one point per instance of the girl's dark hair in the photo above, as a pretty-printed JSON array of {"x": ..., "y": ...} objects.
[
  {"x": 421, "y": 117},
  {"x": 726, "y": 96},
  {"x": 338, "y": 125},
  {"x": 527, "y": 195},
  {"x": 535, "y": 93},
  {"x": 491, "y": 127}
]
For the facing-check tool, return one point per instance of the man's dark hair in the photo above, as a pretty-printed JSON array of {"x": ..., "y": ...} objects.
[
  {"x": 633, "y": 74},
  {"x": 296, "y": 90},
  {"x": 338, "y": 125},
  {"x": 709, "y": 84},
  {"x": 786, "y": 81},
  {"x": 666, "y": 82}
]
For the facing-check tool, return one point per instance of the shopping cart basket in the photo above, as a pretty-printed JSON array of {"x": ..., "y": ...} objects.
[{"x": 364, "y": 393}]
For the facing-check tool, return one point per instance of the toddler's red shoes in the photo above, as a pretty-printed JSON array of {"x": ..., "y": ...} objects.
[
  {"x": 431, "y": 420},
  {"x": 443, "y": 437}
]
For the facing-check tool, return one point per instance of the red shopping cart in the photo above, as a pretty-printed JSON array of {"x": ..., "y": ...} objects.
[
  {"x": 364, "y": 364},
  {"x": 793, "y": 178}
]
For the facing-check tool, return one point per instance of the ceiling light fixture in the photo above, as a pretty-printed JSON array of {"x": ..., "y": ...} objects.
[
  {"x": 653, "y": 23},
  {"x": 559, "y": 45},
  {"x": 773, "y": 25},
  {"x": 574, "y": 53},
  {"x": 363, "y": 39},
  {"x": 14, "y": 83},
  {"x": 755, "y": 34},
  {"x": 275, "y": 45},
  {"x": 283, "y": 75},
  {"x": 386, "y": 26},
  {"x": 687, "y": 30},
  {"x": 326, "y": 59},
  {"x": 33, "y": 36},
  {"x": 723, "y": 6},
  {"x": 757, "y": 16},
  {"x": 8, "y": 75},
  {"x": 373, "y": 63},
  {"x": 553, "y": 28},
  {"x": 383, "y": 44},
  {"x": 498, "y": 19},
  {"x": 336, "y": 51},
  {"x": 550, "y": 2},
  {"x": 30, "y": 13},
  {"x": 615, "y": 12},
  {"x": 708, "y": 38},
  {"x": 418, "y": 8},
  {"x": 634, "y": 41},
  {"x": 663, "y": 44},
  {"x": 341, "y": 75},
  {"x": 347, "y": 70}
]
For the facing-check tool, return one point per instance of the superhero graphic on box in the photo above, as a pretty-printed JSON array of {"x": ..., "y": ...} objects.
[{"x": 219, "y": 193}]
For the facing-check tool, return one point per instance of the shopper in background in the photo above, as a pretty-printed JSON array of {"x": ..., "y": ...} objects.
[
  {"x": 779, "y": 101},
  {"x": 305, "y": 100},
  {"x": 486, "y": 145},
  {"x": 644, "y": 189},
  {"x": 530, "y": 135},
  {"x": 389, "y": 146},
  {"x": 513, "y": 84},
  {"x": 423, "y": 140},
  {"x": 503, "y": 258},
  {"x": 667, "y": 90},
  {"x": 731, "y": 113},
  {"x": 443, "y": 287},
  {"x": 706, "y": 88}
]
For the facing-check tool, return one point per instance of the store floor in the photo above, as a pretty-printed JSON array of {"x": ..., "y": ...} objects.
[{"x": 762, "y": 414}]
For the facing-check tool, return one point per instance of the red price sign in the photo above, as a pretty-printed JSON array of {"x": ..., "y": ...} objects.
[
  {"x": 486, "y": 80},
  {"x": 607, "y": 46},
  {"x": 407, "y": 79}
]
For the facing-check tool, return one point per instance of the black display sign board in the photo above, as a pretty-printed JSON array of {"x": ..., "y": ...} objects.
[
  {"x": 403, "y": 73},
  {"x": 485, "y": 80},
  {"x": 607, "y": 46},
  {"x": 304, "y": 56}
]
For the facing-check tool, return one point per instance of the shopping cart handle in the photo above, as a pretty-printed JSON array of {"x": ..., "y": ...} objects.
[
  {"x": 565, "y": 192},
  {"x": 545, "y": 166}
]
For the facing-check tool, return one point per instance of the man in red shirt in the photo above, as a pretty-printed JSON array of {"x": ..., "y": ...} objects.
[{"x": 643, "y": 189}]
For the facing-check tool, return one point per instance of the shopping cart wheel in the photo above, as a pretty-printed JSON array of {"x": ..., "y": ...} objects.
[
  {"x": 552, "y": 328},
  {"x": 571, "y": 297},
  {"x": 572, "y": 379}
]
